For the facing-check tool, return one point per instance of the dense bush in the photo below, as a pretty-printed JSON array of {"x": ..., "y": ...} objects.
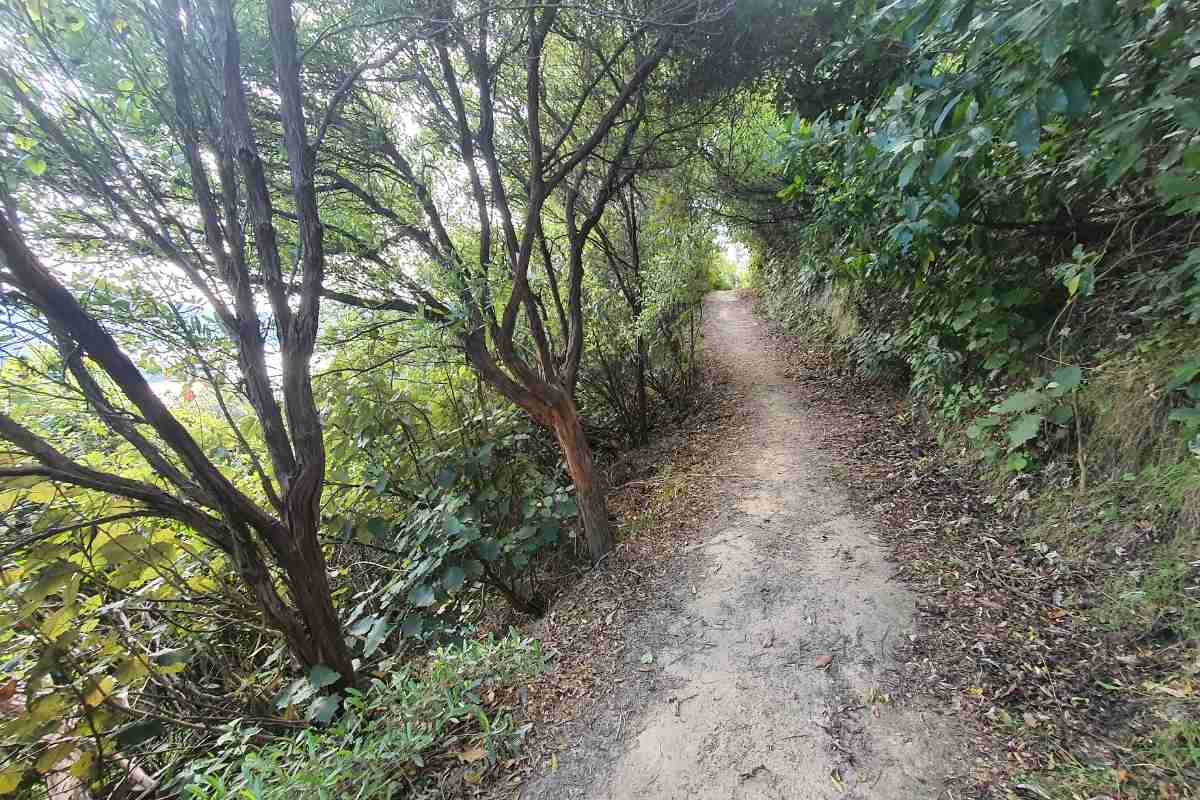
[{"x": 1023, "y": 194}]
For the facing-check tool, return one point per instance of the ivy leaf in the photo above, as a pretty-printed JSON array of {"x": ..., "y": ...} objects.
[
  {"x": 36, "y": 166},
  {"x": 321, "y": 676},
  {"x": 1025, "y": 427}
]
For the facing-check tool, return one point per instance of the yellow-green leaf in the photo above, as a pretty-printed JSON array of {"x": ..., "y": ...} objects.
[
  {"x": 10, "y": 778},
  {"x": 54, "y": 756}
]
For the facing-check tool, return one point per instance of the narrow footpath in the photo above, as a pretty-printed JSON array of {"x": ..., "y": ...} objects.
[{"x": 771, "y": 672}]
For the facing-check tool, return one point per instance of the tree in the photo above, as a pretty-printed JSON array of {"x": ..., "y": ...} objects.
[
  {"x": 534, "y": 108},
  {"x": 141, "y": 143},
  {"x": 656, "y": 253}
]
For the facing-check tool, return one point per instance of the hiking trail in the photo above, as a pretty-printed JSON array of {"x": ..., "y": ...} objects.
[{"x": 772, "y": 673}]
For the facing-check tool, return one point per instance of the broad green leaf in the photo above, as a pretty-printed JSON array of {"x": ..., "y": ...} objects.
[
  {"x": 412, "y": 625},
  {"x": 489, "y": 549},
  {"x": 362, "y": 625},
  {"x": 421, "y": 596},
  {"x": 139, "y": 733},
  {"x": 1178, "y": 184},
  {"x": 567, "y": 506},
  {"x": 1054, "y": 44},
  {"x": 377, "y": 636},
  {"x": 323, "y": 708},
  {"x": 1183, "y": 375},
  {"x": 131, "y": 669},
  {"x": 297, "y": 691},
  {"x": 1078, "y": 98},
  {"x": 943, "y": 164},
  {"x": 172, "y": 662},
  {"x": 321, "y": 676},
  {"x": 1026, "y": 131},
  {"x": 10, "y": 777},
  {"x": 997, "y": 360},
  {"x": 97, "y": 690},
  {"x": 1019, "y": 402},
  {"x": 55, "y": 755},
  {"x": 1064, "y": 380},
  {"x": 1188, "y": 416},
  {"x": 910, "y": 167},
  {"x": 1024, "y": 428},
  {"x": 122, "y": 548},
  {"x": 1062, "y": 414},
  {"x": 454, "y": 578},
  {"x": 1088, "y": 66}
]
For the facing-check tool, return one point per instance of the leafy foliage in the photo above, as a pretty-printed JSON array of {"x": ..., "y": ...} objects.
[
  {"x": 1065, "y": 125},
  {"x": 392, "y": 738}
]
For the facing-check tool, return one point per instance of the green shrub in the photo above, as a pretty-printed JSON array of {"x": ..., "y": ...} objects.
[{"x": 390, "y": 739}]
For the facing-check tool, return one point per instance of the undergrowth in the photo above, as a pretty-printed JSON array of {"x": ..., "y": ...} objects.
[{"x": 412, "y": 735}]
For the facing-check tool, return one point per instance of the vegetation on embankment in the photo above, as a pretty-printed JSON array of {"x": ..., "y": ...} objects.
[{"x": 1004, "y": 223}]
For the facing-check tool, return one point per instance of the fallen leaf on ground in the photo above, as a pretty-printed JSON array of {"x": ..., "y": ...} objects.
[{"x": 472, "y": 755}]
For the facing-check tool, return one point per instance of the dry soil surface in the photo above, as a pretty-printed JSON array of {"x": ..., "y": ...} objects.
[{"x": 769, "y": 671}]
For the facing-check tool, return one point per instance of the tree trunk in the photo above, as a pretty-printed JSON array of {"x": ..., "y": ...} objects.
[
  {"x": 314, "y": 600},
  {"x": 310, "y": 624},
  {"x": 643, "y": 424},
  {"x": 589, "y": 484}
]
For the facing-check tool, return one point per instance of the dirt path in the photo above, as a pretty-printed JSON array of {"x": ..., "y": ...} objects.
[{"x": 768, "y": 673}]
